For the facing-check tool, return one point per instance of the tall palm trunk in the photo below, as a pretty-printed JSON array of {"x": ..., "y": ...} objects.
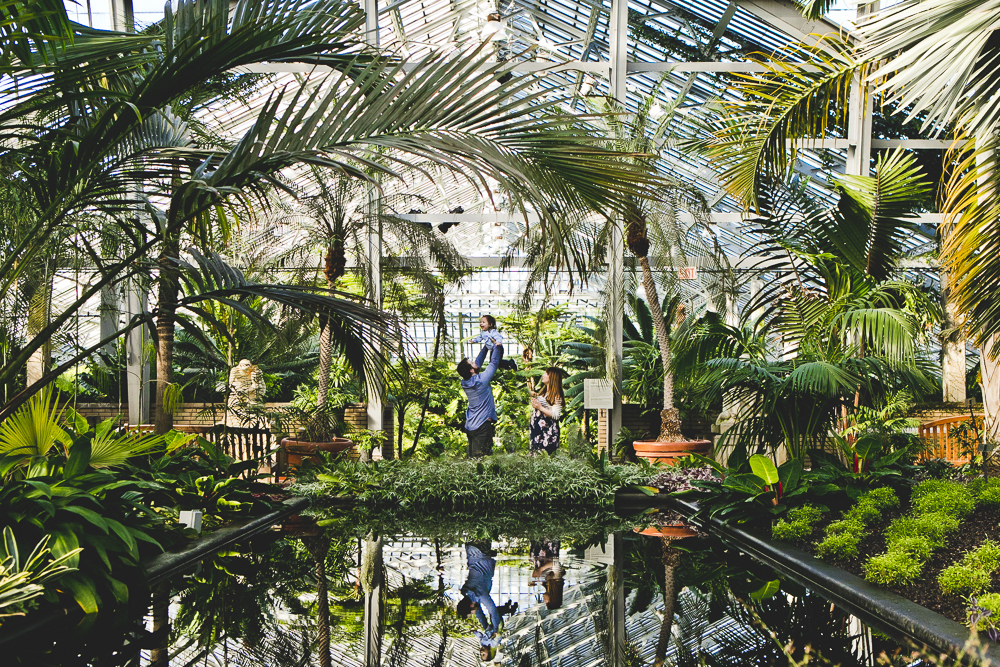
[
  {"x": 318, "y": 548},
  {"x": 325, "y": 363},
  {"x": 671, "y": 560},
  {"x": 670, "y": 426},
  {"x": 165, "y": 319}
]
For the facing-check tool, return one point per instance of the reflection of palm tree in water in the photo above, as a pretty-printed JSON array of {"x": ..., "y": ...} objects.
[{"x": 671, "y": 561}]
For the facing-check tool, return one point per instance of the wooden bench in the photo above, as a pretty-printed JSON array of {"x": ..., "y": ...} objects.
[{"x": 943, "y": 445}]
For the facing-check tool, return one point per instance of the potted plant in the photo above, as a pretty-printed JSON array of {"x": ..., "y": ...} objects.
[
  {"x": 639, "y": 135},
  {"x": 317, "y": 430}
]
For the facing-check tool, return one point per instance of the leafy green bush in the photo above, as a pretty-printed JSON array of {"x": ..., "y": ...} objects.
[
  {"x": 927, "y": 487},
  {"x": 798, "y": 526},
  {"x": 842, "y": 537},
  {"x": 963, "y": 580},
  {"x": 974, "y": 573},
  {"x": 934, "y": 527},
  {"x": 938, "y": 508},
  {"x": 840, "y": 546},
  {"x": 989, "y": 493},
  {"x": 954, "y": 499},
  {"x": 498, "y": 480},
  {"x": 883, "y": 498},
  {"x": 893, "y": 569}
]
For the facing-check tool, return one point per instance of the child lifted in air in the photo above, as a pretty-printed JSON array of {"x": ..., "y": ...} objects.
[{"x": 490, "y": 338}]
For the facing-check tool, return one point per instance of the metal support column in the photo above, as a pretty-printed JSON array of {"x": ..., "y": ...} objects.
[
  {"x": 859, "y": 121},
  {"x": 376, "y": 384},
  {"x": 137, "y": 359},
  {"x": 618, "y": 50},
  {"x": 122, "y": 15}
]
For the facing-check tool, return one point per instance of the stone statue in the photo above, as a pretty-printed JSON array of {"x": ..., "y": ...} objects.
[{"x": 246, "y": 389}]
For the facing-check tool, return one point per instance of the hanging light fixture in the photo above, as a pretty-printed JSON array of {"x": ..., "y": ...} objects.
[
  {"x": 493, "y": 30},
  {"x": 656, "y": 111},
  {"x": 587, "y": 87}
]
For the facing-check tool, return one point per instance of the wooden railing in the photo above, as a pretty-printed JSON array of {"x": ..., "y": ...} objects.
[
  {"x": 243, "y": 444},
  {"x": 943, "y": 444}
]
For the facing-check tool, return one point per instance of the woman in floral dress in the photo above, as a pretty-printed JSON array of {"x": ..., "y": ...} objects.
[{"x": 547, "y": 407}]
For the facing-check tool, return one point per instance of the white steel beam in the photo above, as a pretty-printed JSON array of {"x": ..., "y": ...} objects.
[
  {"x": 618, "y": 54},
  {"x": 786, "y": 17}
]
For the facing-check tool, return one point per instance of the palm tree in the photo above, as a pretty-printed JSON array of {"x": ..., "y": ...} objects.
[
  {"x": 446, "y": 111},
  {"x": 844, "y": 326},
  {"x": 652, "y": 222}
]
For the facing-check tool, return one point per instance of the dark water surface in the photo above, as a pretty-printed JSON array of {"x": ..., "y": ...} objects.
[{"x": 560, "y": 602}]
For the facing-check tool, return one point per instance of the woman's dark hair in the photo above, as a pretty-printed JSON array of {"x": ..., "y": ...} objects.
[
  {"x": 554, "y": 389},
  {"x": 492, "y": 321}
]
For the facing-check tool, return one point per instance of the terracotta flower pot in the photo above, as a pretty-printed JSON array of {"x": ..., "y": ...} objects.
[
  {"x": 669, "y": 452},
  {"x": 675, "y": 531},
  {"x": 294, "y": 452}
]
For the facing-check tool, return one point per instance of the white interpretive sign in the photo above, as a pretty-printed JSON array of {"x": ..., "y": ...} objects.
[{"x": 598, "y": 395}]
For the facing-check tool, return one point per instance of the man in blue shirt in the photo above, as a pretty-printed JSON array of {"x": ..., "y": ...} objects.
[{"x": 481, "y": 415}]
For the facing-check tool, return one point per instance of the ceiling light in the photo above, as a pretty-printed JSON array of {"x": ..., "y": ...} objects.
[
  {"x": 587, "y": 87},
  {"x": 656, "y": 111}
]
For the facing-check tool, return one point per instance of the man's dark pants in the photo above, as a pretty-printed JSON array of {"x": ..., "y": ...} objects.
[{"x": 481, "y": 440}]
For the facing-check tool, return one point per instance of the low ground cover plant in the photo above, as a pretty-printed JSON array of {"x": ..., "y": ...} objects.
[
  {"x": 974, "y": 573},
  {"x": 843, "y": 536},
  {"x": 498, "y": 480},
  {"x": 937, "y": 509},
  {"x": 798, "y": 526}
]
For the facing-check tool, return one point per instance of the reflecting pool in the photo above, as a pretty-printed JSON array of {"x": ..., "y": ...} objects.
[{"x": 620, "y": 598}]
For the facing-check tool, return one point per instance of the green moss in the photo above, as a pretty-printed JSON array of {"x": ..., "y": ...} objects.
[
  {"x": 893, "y": 569},
  {"x": 839, "y": 546},
  {"x": 964, "y": 580}
]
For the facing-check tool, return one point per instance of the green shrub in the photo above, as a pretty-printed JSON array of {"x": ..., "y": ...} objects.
[
  {"x": 806, "y": 513},
  {"x": 954, "y": 500},
  {"x": 926, "y": 487},
  {"x": 934, "y": 527},
  {"x": 986, "y": 556},
  {"x": 974, "y": 573},
  {"x": 845, "y": 526},
  {"x": 991, "y": 603},
  {"x": 799, "y": 525},
  {"x": 839, "y": 546},
  {"x": 962, "y": 579},
  {"x": 916, "y": 547},
  {"x": 895, "y": 568},
  {"x": 863, "y": 512},
  {"x": 883, "y": 498},
  {"x": 989, "y": 493}
]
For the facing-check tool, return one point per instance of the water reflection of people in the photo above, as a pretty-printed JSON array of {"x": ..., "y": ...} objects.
[
  {"x": 545, "y": 557},
  {"x": 476, "y": 598}
]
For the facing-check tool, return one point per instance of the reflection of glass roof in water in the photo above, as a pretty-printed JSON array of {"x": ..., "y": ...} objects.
[{"x": 600, "y": 613}]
